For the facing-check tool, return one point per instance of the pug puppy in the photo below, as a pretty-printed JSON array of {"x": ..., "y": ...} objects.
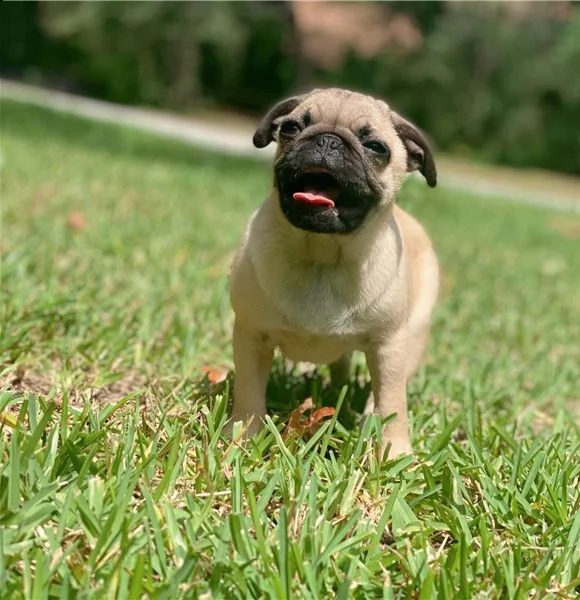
[{"x": 329, "y": 263}]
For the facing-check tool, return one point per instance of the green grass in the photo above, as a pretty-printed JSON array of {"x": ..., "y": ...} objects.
[{"x": 114, "y": 480}]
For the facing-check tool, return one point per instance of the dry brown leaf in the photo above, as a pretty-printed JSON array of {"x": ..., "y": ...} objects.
[
  {"x": 76, "y": 221},
  {"x": 215, "y": 375},
  {"x": 295, "y": 420},
  {"x": 321, "y": 413},
  {"x": 300, "y": 425}
]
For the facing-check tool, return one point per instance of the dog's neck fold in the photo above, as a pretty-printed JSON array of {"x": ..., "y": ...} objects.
[{"x": 330, "y": 249}]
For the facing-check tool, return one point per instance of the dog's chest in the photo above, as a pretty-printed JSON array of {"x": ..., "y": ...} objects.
[
  {"x": 323, "y": 313},
  {"x": 320, "y": 299}
]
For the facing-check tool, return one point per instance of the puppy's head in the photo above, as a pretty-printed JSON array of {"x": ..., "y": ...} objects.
[{"x": 341, "y": 156}]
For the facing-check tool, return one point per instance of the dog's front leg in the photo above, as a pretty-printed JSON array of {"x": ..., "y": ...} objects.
[
  {"x": 386, "y": 361},
  {"x": 252, "y": 361}
]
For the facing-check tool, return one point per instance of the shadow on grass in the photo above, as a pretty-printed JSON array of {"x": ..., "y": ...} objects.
[{"x": 291, "y": 384}]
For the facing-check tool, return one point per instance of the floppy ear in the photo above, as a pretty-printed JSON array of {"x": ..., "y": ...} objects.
[
  {"x": 264, "y": 133},
  {"x": 419, "y": 154}
]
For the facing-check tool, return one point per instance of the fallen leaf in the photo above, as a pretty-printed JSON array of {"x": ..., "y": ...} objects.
[
  {"x": 300, "y": 425},
  {"x": 76, "y": 221},
  {"x": 295, "y": 420},
  {"x": 215, "y": 374},
  {"x": 321, "y": 413}
]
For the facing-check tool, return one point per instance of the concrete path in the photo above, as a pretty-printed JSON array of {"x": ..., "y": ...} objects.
[{"x": 233, "y": 134}]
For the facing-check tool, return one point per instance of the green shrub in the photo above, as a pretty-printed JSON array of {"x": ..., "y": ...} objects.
[{"x": 499, "y": 89}]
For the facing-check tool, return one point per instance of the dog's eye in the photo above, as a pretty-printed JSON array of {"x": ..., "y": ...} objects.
[
  {"x": 377, "y": 147},
  {"x": 290, "y": 127}
]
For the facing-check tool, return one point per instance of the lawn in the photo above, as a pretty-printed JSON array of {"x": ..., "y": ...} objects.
[{"x": 114, "y": 479}]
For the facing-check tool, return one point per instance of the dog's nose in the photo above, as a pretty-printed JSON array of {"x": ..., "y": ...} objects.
[{"x": 328, "y": 141}]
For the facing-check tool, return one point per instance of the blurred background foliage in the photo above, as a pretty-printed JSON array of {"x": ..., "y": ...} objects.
[{"x": 484, "y": 81}]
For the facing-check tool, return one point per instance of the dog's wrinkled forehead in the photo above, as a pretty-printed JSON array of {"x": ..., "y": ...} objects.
[
  {"x": 336, "y": 107},
  {"x": 360, "y": 117}
]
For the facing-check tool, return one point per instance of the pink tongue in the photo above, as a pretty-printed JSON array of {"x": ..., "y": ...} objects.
[{"x": 310, "y": 198}]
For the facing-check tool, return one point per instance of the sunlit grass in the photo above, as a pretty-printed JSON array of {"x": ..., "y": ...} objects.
[{"x": 114, "y": 480}]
